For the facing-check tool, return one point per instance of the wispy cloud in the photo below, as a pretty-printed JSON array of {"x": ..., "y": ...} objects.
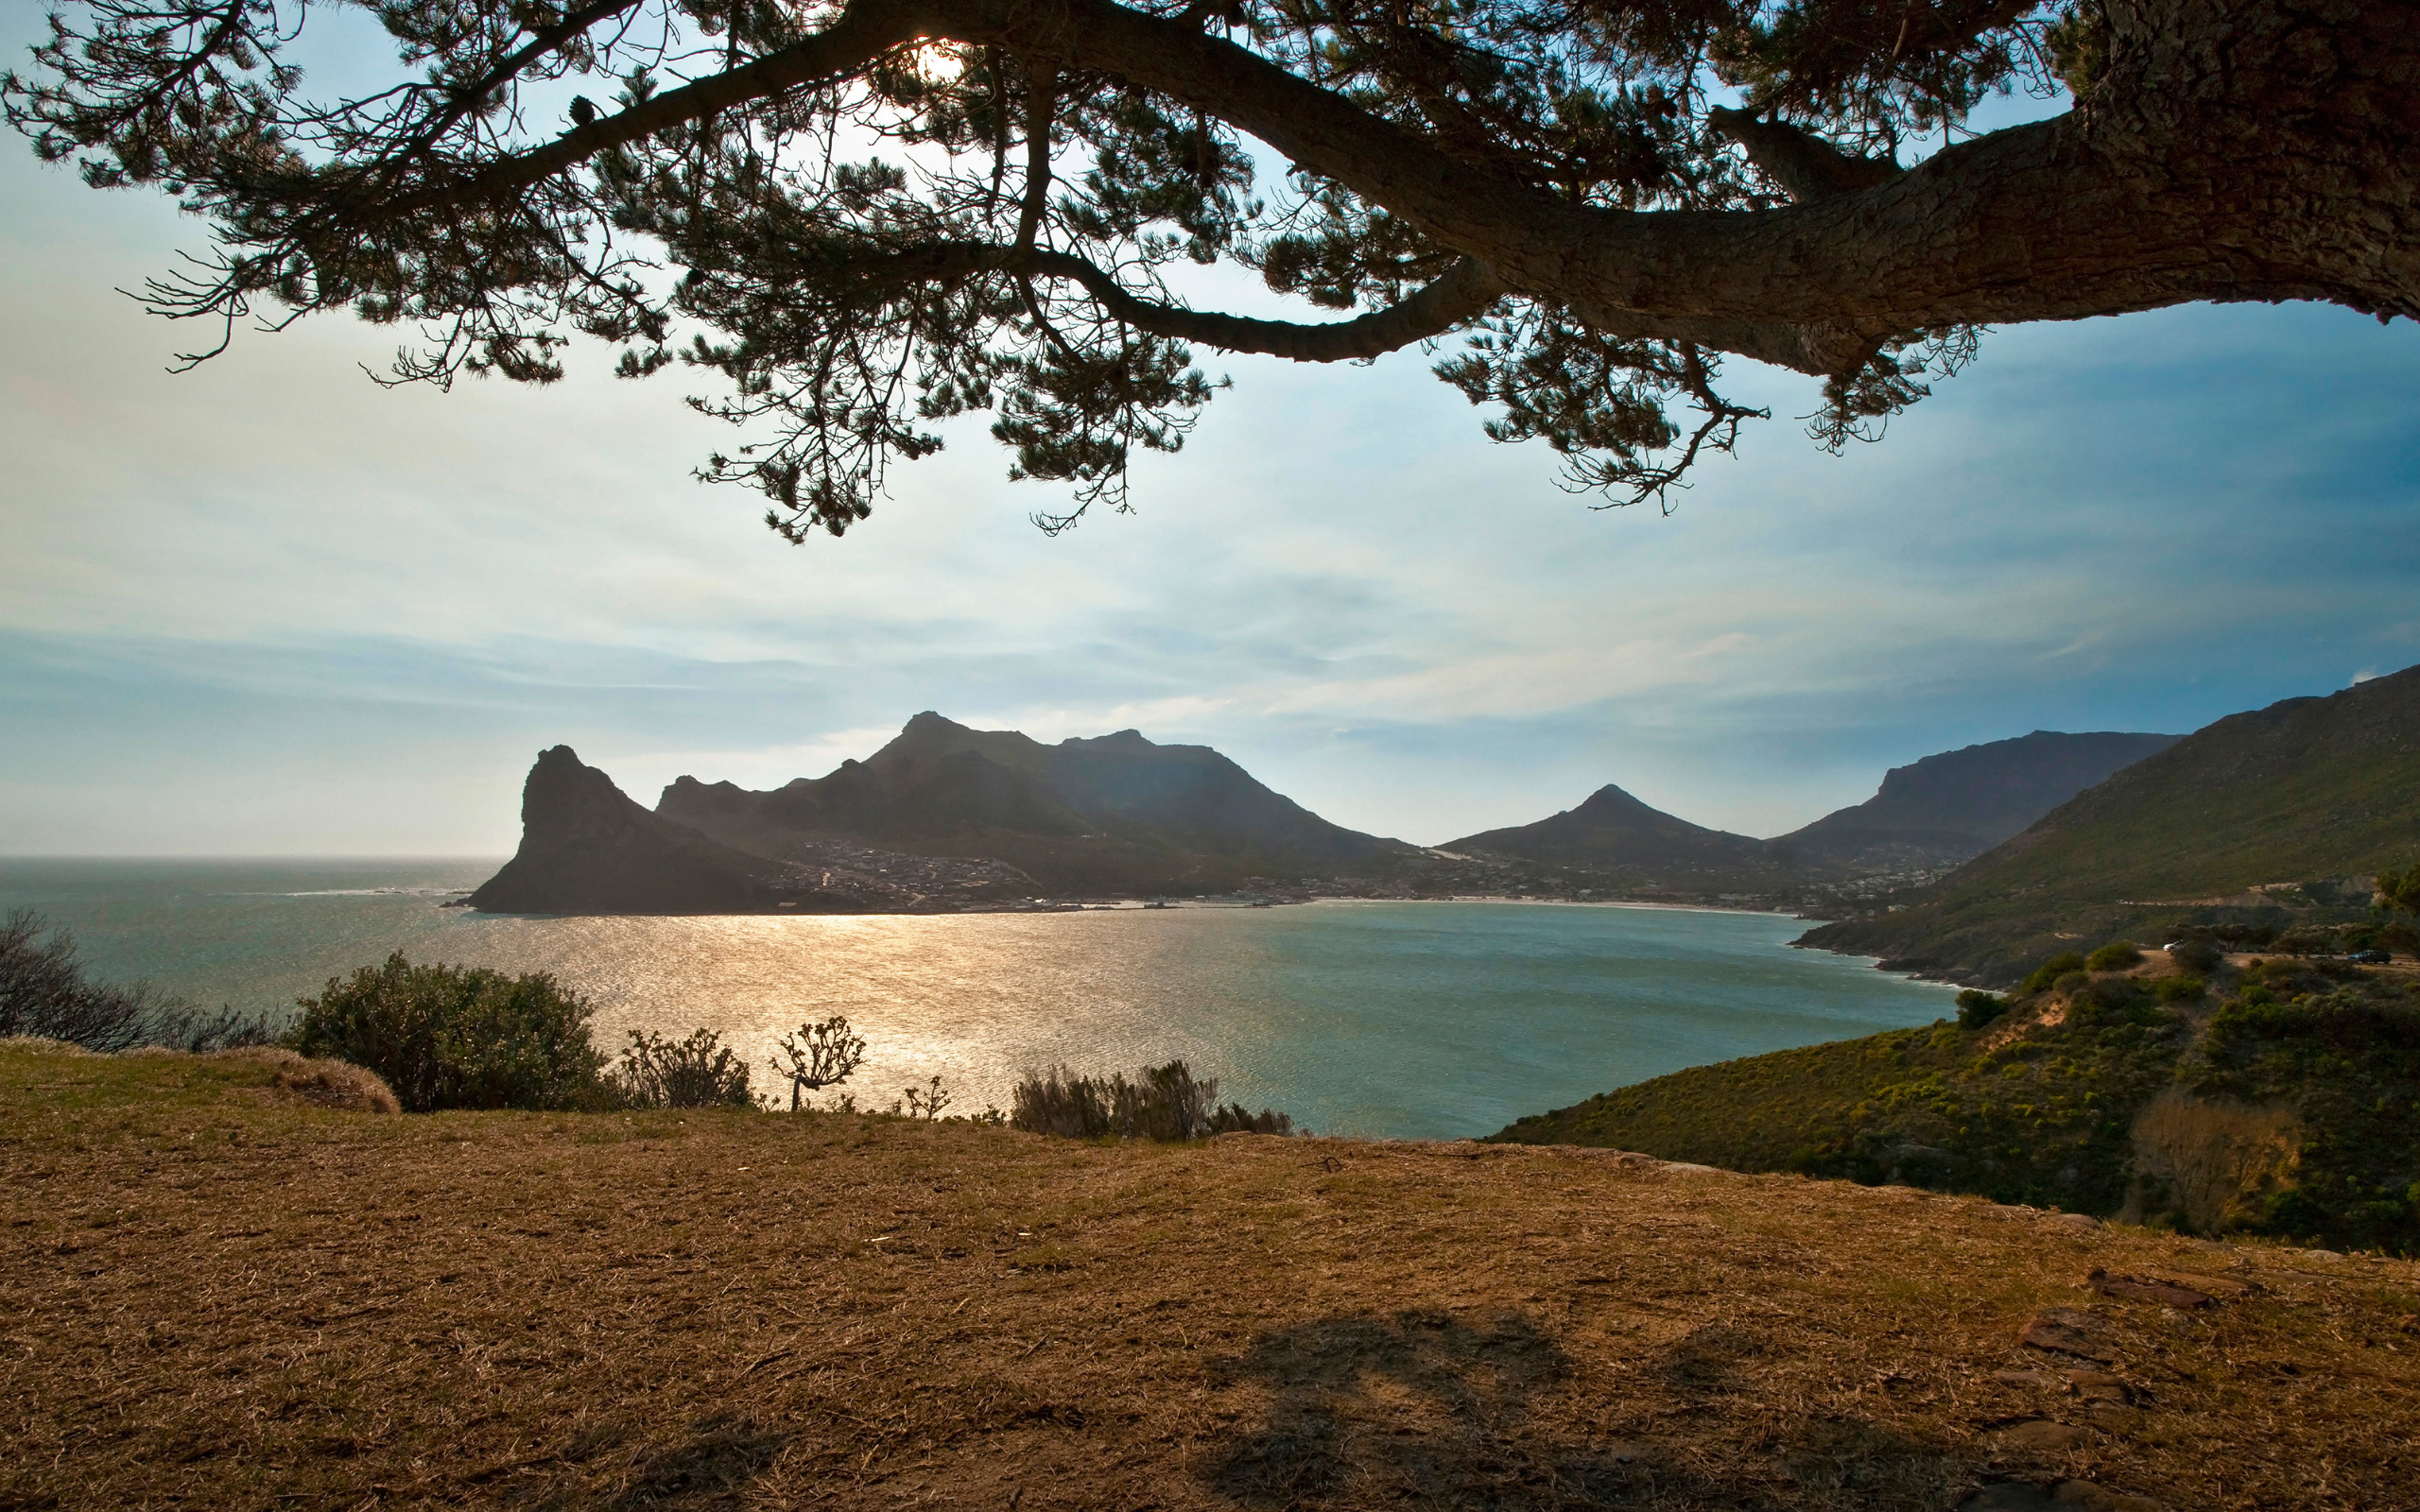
[{"x": 270, "y": 607}]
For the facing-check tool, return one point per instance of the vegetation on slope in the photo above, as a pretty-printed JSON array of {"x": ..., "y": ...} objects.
[
  {"x": 223, "y": 1299},
  {"x": 2284, "y": 1104},
  {"x": 47, "y": 993},
  {"x": 2263, "y": 818}
]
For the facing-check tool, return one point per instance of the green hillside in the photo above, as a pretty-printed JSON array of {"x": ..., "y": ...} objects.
[
  {"x": 2270, "y": 817},
  {"x": 2280, "y": 1101}
]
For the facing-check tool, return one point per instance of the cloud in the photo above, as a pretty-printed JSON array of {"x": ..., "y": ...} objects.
[{"x": 269, "y": 606}]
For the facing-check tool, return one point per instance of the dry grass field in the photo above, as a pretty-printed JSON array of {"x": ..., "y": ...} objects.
[{"x": 220, "y": 1294}]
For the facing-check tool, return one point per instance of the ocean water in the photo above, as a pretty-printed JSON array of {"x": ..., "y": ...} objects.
[{"x": 1407, "y": 1021}]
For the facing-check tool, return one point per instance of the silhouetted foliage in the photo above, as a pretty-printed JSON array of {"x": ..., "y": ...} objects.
[
  {"x": 45, "y": 992},
  {"x": 865, "y": 220},
  {"x": 697, "y": 1072},
  {"x": 458, "y": 1036},
  {"x": 820, "y": 1055},
  {"x": 1164, "y": 1103}
]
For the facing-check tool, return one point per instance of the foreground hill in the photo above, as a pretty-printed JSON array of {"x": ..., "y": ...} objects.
[
  {"x": 2282, "y": 1101},
  {"x": 2302, "y": 799},
  {"x": 220, "y": 1299},
  {"x": 1118, "y": 814},
  {"x": 1954, "y": 806},
  {"x": 1613, "y": 832}
]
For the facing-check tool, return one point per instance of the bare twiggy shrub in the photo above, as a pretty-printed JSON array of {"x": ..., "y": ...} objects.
[
  {"x": 818, "y": 1056},
  {"x": 45, "y": 994},
  {"x": 1165, "y": 1102},
  {"x": 926, "y": 1102},
  {"x": 698, "y": 1072}
]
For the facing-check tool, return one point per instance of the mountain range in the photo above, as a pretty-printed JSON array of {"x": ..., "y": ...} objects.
[
  {"x": 945, "y": 817},
  {"x": 942, "y": 818},
  {"x": 1936, "y": 812},
  {"x": 1114, "y": 814},
  {"x": 2261, "y": 818}
]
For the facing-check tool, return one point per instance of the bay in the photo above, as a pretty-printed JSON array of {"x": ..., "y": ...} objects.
[{"x": 1388, "y": 1020}]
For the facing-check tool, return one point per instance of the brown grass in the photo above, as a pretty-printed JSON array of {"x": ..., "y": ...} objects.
[
  {"x": 217, "y": 1300},
  {"x": 2217, "y": 1157}
]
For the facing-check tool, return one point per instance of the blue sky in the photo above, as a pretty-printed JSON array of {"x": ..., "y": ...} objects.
[{"x": 269, "y": 609}]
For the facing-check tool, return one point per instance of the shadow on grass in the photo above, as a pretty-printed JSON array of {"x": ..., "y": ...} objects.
[
  {"x": 1427, "y": 1410},
  {"x": 721, "y": 1454}
]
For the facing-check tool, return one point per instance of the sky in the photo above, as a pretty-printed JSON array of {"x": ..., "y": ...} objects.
[{"x": 268, "y": 608}]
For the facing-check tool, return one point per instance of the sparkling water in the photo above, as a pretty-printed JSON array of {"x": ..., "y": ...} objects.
[{"x": 1393, "y": 1019}]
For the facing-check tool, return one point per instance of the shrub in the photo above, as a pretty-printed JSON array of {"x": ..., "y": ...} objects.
[
  {"x": 2109, "y": 1000},
  {"x": 697, "y": 1072},
  {"x": 1164, "y": 1103},
  {"x": 1231, "y": 1119},
  {"x": 2118, "y": 955},
  {"x": 2071, "y": 983},
  {"x": 2051, "y": 971},
  {"x": 2306, "y": 939},
  {"x": 820, "y": 1055},
  {"x": 45, "y": 993},
  {"x": 1977, "y": 1008},
  {"x": 2181, "y": 990},
  {"x": 2198, "y": 956},
  {"x": 458, "y": 1036},
  {"x": 926, "y": 1102}
]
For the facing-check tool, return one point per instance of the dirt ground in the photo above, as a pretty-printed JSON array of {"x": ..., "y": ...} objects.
[{"x": 213, "y": 1295}]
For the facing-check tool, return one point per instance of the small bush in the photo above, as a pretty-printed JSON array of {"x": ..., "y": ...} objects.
[
  {"x": 2109, "y": 1000},
  {"x": 1163, "y": 1103},
  {"x": 2118, "y": 955},
  {"x": 2308, "y": 939},
  {"x": 2197, "y": 956},
  {"x": 925, "y": 1102},
  {"x": 45, "y": 995},
  {"x": 820, "y": 1055},
  {"x": 1977, "y": 1008},
  {"x": 458, "y": 1036},
  {"x": 2051, "y": 971},
  {"x": 2181, "y": 990},
  {"x": 2071, "y": 983},
  {"x": 697, "y": 1072},
  {"x": 1231, "y": 1119}
]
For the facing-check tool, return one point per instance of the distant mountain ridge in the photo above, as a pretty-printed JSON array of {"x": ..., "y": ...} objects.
[
  {"x": 1954, "y": 806},
  {"x": 1612, "y": 832},
  {"x": 1933, "y": 812},
  {"x": 1112, "y": 814},
  {"x": 2303, "y": 798}
]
